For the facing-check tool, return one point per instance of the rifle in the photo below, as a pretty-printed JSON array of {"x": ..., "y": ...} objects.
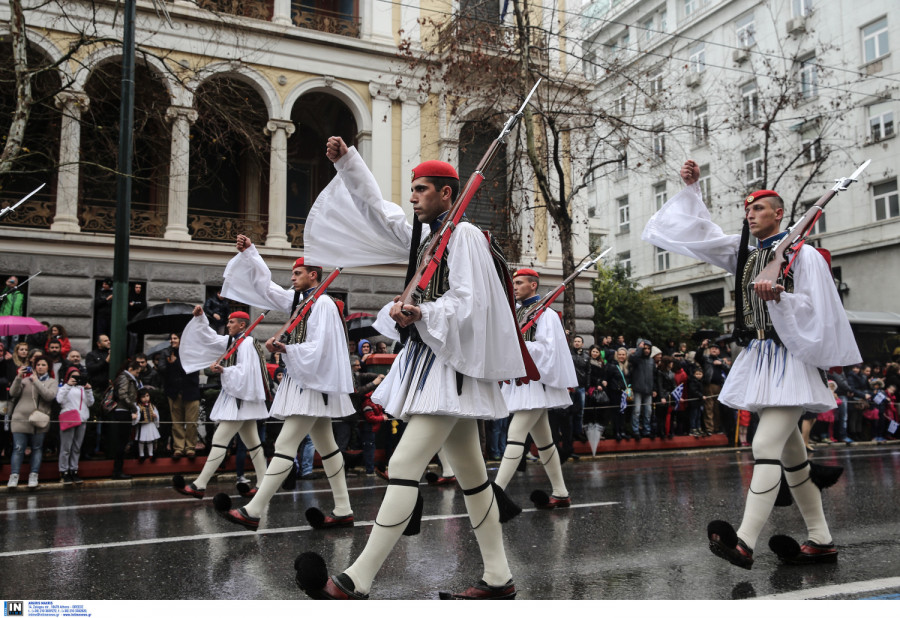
[
  {"x": 2, "y": 296},
  {"x": 9, "y": 209},
  {"x": 234, "y": 345},
  {"x": 414, "y": 291},
  {"x": 304, "y": 308},
  {"x": 544, "y": 304},
  {"x": 798, "y": 232}
]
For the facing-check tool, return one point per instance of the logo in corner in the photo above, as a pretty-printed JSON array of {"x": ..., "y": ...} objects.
[{"x": 13, "y": 608}]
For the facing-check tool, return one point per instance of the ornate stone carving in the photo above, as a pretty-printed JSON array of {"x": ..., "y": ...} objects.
[
  {"x": 30, "y": 214},
  {"x": 326, "y": 21},
  {"x": 224, "y": 228},
  {"x": 97, "y": 218}
]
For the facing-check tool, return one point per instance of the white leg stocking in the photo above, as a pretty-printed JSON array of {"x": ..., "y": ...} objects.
[
  {"x": 418, "y": 444},
  {"x": 293, "y": 431},
  {"x": 776, "y": 425},
  {"x": 250, "y": 437},
  {"x": 333, "y": 461},
  {"x": 464, "y": 450},
  {"x": 446, "y": 468},
  {"x": 549, "y": 455},
  {"x": 519, "y": 428},
  {"x": 217, "y": 451},
  {"x": 805, "y": 493}
]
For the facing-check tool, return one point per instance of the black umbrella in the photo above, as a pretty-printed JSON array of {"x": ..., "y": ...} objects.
[
  {"x": 159, "y": 347},
  {"x": 359, "y": 326},
  {"x": 702, "y": 334},
  {"x": 161, "y": 319}
]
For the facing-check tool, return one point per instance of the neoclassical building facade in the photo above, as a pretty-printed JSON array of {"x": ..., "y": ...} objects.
[{"x": 234, "y": 102}]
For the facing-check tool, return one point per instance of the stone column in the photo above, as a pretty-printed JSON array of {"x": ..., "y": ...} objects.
[
  {"x": 410, "y": 142},
  {"x": 282, "y": 13},
  {"x": 382, "y": 138},
  {"x": 71, "y": 104},
  {"x": 179, "y": 164},
  {"x": 280, "y": 130}
]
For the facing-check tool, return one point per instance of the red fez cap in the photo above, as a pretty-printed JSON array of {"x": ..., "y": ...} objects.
[
  {"x": 438, "y": 169},
  {"x": 526, "y": 272},
  {"x": 299, "y": 262},
  {"x": 240, "y": 315},
  {"x": 825, "y": 254},
  {"x": 759, "y": 194}
]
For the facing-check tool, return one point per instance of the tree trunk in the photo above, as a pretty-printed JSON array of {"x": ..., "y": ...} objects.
[{"x": 16, "y": 134}]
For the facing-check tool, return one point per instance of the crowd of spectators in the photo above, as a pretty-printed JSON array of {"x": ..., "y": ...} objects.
[{"x": 635, "y": 392}]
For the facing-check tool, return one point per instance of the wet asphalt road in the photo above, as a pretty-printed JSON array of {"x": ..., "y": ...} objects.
[{"x": 636, "y": 531}]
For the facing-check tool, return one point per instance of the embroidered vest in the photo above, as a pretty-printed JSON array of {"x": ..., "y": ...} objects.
[
  {"x": 521, "y": 312},
  {"x": 756, "y": 314}
]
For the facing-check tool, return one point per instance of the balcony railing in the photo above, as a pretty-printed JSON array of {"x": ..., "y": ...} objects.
[
  {"x": 254, "y": 9},
  {"x": 224, "y": 227},
  {"x": 324, "y": 20},
  {"x": 100, "y": 216}
]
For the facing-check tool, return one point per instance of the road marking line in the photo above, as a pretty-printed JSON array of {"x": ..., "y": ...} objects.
[
  {"x": 100, "y": 505},
  {"x": 220, "y": 535},
  {"x": 827, "y": 591}
]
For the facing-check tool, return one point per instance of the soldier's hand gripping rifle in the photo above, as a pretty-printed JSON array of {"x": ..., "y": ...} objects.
[
  {"x": 542, "y": 305},
  {"x": 240, "y": 339},
  {"x": 284, "y": 333},
  {"x": 797, "y": 233},
  {"x": 414, "y": 291}
]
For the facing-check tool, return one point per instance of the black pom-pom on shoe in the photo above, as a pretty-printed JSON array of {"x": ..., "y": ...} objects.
[
  {"x": 178, "y": 481},
  {"x": 539, "y": 498},
  {"x": 222, "y": 502},
  {"x": 431, "y": 478},
  {"x": 315, "y": 517},
  {"x": 784, "y": 546},
  {"x": 243, "y": 488},
  {"x": 312, "y": 573}
]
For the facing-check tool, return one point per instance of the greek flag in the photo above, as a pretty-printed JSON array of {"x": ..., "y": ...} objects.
[
  {"x": 676, "y": 394},
  {"x": 623, "y": 404}
]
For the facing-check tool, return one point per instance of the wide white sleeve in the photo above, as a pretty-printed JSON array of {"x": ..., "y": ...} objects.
[
  {"x": 550, "y": 352},
  {"x": 385, "y": 324},
  {"x": 243, "y": 380},
  {"x": 683, "y": 226},
  {"x": 350, "y": 224},
  {"x": 471, "y": 327},
  {"x": 248, "y": 280},
  {"x": 322, "y": 362},
  {"x": 811, "y": 321},
  {"x": 200, "y": 345}
]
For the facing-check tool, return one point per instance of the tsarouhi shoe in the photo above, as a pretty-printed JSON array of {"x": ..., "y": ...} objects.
[
  {"x": 312, "y": 578},
  {"x": 188, "y": 489},
  {"x": 241, "y": 518},
  {"x": 481, "y": 591},
  {"x": 724, "y": 542},
  {"x": 318, "y": 520},
  {"x": 790, "y": 551}
]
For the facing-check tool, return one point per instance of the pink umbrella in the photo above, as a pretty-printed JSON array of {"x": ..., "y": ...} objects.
[{"x": 19, "y": 325}]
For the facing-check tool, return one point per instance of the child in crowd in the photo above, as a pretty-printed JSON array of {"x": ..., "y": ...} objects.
[
  {"x": 743, "y": 427},
  {"x": 147, "y": 419},
  {"x": 695, "y": 400}
]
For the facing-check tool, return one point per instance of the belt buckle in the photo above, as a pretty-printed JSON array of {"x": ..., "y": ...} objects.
[{"x": 760, "y": 334}]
